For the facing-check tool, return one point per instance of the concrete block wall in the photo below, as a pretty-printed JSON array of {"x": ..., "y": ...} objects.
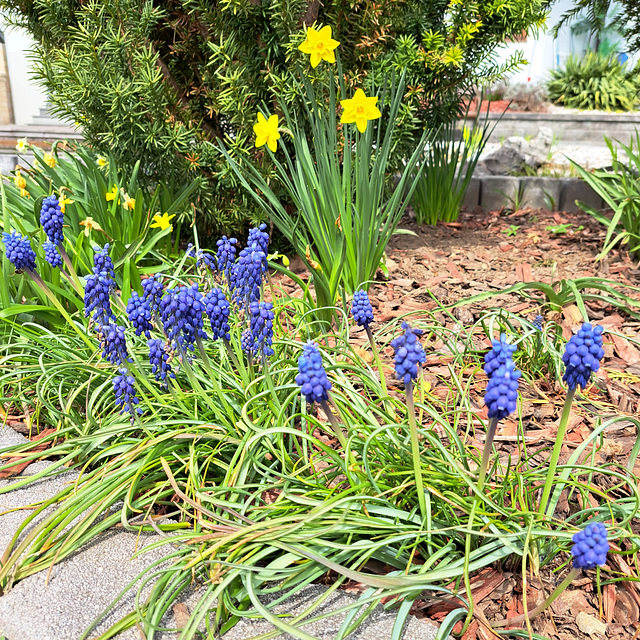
[{"x": 558, "y": 194}]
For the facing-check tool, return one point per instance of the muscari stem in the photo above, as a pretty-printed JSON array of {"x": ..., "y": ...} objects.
[
  {"x": 415, "y": 448},
  {"x": 571, "y": 576},
  {"x": 56, "y": 303},
  {"x": 486, "y": 453},
  {"x": 376, "y": 357},
  {"x": 334, "y": 424},
  {"x": 555, "y": 454},
  {"x": 75, "y": 281}
]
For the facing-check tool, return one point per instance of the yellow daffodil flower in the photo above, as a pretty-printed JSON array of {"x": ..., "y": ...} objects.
[
  {"x": 360, "y": 110},
  {"x": 63, "y": 202},
  {"x": 24, "y": 193},
  {"x": 113, "y": 194},
  {"x": 49, "y": 159},
  {"x": 21, "y": 145},
  {"x": 267, "y": 132},
  {"x": 129, "y": 203},
  {"x": 319, "y": 45},
  {"x": 102, "y": 162},
  {"x": 89, "y": 223},
  {"x": 19, "y": 181},
  {"x": 162, "y": 221}
]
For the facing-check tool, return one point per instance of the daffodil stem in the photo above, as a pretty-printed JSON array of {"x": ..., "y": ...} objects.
[
  {"x": 56, "y": 303},
  {"x": 415, "y": 449},
  {"x": 486, "y": 452},
  {"x": 571, "y": 576},
  {"x": 555, "y": 454}
]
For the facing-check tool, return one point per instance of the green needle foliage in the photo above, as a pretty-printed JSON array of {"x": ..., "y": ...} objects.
[{"x": 159, "y": 81}]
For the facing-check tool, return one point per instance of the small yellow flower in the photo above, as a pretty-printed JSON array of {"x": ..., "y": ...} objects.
[
  {"x": 113, "y": 194},
  {"x": 21, "y": 145},
  {"x": 267, "y": 132},
  {"x": 89, "y": 223},
  {"x": 102, "y": 162},
  {"x": 129, "y": 203},
  {"x": 19, "y": 181},
  {"x": 319, "y": 45},
  {"x": 63, "y": 202},
  {"x": 49, "y": 159},
  {"x": 162, "y": 221},
  {"x": 24, "y": 193},
  {"x": 360, "y": 110}
]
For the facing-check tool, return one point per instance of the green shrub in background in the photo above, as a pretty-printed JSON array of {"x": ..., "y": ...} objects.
[
  {"x": 159, "y": 81},
  {"x": 101, "y": 204},
  {"x": 594, "y": 82},
  {"x": 620, "y": 190}
]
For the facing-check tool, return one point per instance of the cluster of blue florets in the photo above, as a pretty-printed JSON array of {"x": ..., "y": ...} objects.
[
  {"x": 217, "y": 309},
  {"x": 582, "y": 356},
  {"x": 98, "y": 287},
  {"x": 258, "y": 239},
  {"x": 18, "y": 251},
  {"x": 139, "y": 314},
  {"x": 159, "y": 358},
  {"x": 261, "y": 327},
  {"x": 246, "y": 275},
  {"x": 125, "y": 392},
  {"x": 51, "y": 254},
  {"x": 182, "y": 310},
  {"x": 153, "y": 291},
  {"x": 501, "y": 395},
  {"x": 205, "y": 260},
  {"x": 537, "y": 322},
  {"x": 114, "y": 344},
  {"x": 408, "y": 353},
  {"x": 52, "y": 220},
  {"x": 590, "y": 547},
  {"x": 312, "y": 378},
  {"x": 361, "y": 309},
  {"x": 226, "y": 254}
]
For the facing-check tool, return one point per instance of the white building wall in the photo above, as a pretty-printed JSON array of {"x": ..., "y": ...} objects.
[
  {"x": 28, "y": 98},
  {"x": 544, "y": 53}
]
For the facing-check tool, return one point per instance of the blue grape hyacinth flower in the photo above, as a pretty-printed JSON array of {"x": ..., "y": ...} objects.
[
  {"x": 97, "y": 298},
  {"x": 408, "y": 354},
  {"x": 216, "y": 306},
  {"x": 590, "y": 547},
  {"x": 52, "y": 219},
  {"x": 205, "y": 260},
  {"x": 501, "y": 395},
  {"x": 246, "y": 275},
  {"x": 312, "y": 378},
  {"x": 226, "y": 254},
  {"x": 51, "y": 254},
  {"x": 139, "y": 314},
  {"x": 261, "y": 327},
  {"x": 259, "y": 239},
  {"x": 537, "y": 322},
  {"x": 500, "y": 354},
  {"x": 582, "y": 356},
  {"x": 159, "y": 359},
  {"x": 182, "y": 313},
  {"x": 102, "y": 263},
  {"x": 361, "y": 309},
  {"x": 153, "y": 290},
  {"x": 114, "y": 344},
  {"x": 125, "y": 393},
  {"x": 18, "y": 251}
]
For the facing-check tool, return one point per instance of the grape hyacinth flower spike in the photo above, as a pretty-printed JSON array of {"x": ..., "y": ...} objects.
[
  {"x": 590, "y": 548},
  {"x": 226, "y": 255},
  {"x": 408, "y": 355},
  {"x": 153, "y": 291},
  {"x": 19, "y": 252},
  {"x": 501, "y": 395},
  {"x": 362, "y": 313},
  {"x": 139, "y": 314},
  {"x": 581, "y": 357},
  {"x": 52, "y": 220},
  {"x": 315, "y": 385},
  {"x": 51, "y": 254},
  {"x": 159, "y": 359},
  {"x": 261, "y": 327}
]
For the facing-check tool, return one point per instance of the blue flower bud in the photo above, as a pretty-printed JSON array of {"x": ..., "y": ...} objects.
[
  {"x": 408, "y": 353},
  {"x": 312, "y": 378},
  {"x": 361, "y": 309},
  {"x": 582, "y": 356},
  {"x": 590, "y": 547}
]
